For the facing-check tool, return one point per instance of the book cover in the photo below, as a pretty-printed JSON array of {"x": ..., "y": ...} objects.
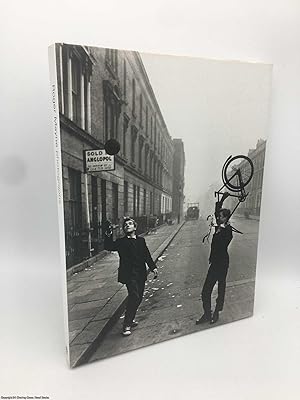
[{"x": 159, "y": 163}]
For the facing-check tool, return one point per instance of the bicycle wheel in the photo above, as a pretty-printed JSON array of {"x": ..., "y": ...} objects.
[{"x": 237, "y": 172}]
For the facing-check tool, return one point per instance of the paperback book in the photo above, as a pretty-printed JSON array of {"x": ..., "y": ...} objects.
[{"x": 159, "y": 165}]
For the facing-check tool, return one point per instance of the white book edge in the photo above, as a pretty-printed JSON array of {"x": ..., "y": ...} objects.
[{"x": 59, "y": 185}]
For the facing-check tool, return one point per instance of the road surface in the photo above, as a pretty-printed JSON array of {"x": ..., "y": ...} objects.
[{"x": 172, "y": 303}]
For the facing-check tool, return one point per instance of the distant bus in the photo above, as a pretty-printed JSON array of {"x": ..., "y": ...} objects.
[{"x": 192, "y": 211}]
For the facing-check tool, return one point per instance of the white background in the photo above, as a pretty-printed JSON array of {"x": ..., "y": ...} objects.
[{"x": 257, "y": 358}]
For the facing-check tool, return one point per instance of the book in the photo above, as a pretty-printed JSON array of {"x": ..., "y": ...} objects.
[{"x": 159, "y": 165}]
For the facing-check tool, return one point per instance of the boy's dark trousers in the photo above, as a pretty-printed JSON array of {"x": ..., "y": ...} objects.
[
  {"x": 135, "y": 289},
  {"x": 216, "y": 273}
]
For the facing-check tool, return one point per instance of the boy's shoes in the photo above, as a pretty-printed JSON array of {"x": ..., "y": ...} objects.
[
  {"x": 215, "y": 317},
  {"x": 203, "y": 319},
  {"x": 126, "y": 331},
  {"x": 134, "y": 324}
]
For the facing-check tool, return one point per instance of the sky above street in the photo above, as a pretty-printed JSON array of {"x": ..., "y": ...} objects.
[{"x": 218, "y": 108}]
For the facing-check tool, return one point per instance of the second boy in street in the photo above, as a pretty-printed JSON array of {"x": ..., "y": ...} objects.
[
  {"x": 134, "y": 255},
  {"x": 218, "y": 264}
]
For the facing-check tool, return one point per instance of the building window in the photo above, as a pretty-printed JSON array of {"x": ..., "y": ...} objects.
[
  {"x": 124, "y": 78},
  {"x": 158, "y": 143},
  {"x": 75, "y": 73},
  {"x": 147, "y": 121},
  {"x": 146, "y": 158},
  {"x": 140, "y": 151},
  {"x": 133, "y": 96},
  {"x": 87, "y": 100},
  {"x": 161, "y": 144},
  {"x": 111, "y": 113},
  {"x": 151, "y": 129},
  {"x": 125, "y": 197},
  {"x": 133, "y": 140},
  {"x": 138, "y": 201},
  {"x": 73, "y": 219},
  {"x": 151, "y": 204},
  {"x": 158, "y": 173},
  {"x": 107, "y": 112},
  {"x": 64, "y": 84},
  {"x": 111, "y": 120},
  {"x": 144, "y": 202},
  {"x": 112, "y": 60},
  {"x": 115, "y": 202},
  {"x": 125, "y": 127},
  {"x": 94, "y": 219},
  {"x": 76, "y": 82},
  {"x": 151, "y": 165},
  {"x": 103, "y": 200},
  {"x": 75, "y": 200},
  {"x": 141, "y": 109},
  {"x": 155, "y": 134},
  {"x": 134, "y": 200}
]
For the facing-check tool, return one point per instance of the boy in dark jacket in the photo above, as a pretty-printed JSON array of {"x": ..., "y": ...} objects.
[
  {"x": 218, "y": 264},
  {"x": 134, "y": 255}
]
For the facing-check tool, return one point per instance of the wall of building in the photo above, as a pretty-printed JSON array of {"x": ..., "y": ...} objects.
[
  {"x": 178, "y": 178},
  {"x": 106, "y": 94},
  {"x": 253, "y": 202}
]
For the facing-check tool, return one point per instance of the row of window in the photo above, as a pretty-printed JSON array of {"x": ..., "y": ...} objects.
[
  {"x": 136, "y": 203},
  {"x": 75, "y": 99},
  {"x": 75, "y": 104},
  {"x": 149, "y": 123},
  {"x": 111, "y": 129},
  {"x": 75, "y": 86},
  {"x": 76, "y": 232},
  {"x": 75, "y": 200},
  {"x": 133, "y": 143},
  {"x": 147, "y": 118},
  {"x": 138, "y": 207}
]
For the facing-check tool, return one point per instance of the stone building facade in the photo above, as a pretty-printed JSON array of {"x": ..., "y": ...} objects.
[
  {"x": 178, "y": 178},
  {"x": 104, "y": 94},
  {"x": 252, "y": 204}
]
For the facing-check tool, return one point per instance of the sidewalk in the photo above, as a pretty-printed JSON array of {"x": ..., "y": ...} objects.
[{"x": 96, "y": 299}]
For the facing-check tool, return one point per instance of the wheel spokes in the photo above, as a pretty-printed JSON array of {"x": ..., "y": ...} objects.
[{"x": 240, "y": 167}]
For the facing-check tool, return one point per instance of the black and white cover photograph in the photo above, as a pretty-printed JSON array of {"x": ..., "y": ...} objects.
[{"x": 160, "y": 164}]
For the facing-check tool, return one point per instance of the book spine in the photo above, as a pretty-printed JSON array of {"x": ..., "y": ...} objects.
[{"x": 59, "y": 183}]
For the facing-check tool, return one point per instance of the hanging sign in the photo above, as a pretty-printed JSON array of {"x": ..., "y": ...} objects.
[{"x": 97, "y": 160}]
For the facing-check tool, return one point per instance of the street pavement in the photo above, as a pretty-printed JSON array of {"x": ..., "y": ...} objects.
[{"x": 172, "y": 303}]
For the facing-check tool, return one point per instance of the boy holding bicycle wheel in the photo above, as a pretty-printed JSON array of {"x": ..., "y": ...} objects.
[{"x": 218, "y": 264}]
